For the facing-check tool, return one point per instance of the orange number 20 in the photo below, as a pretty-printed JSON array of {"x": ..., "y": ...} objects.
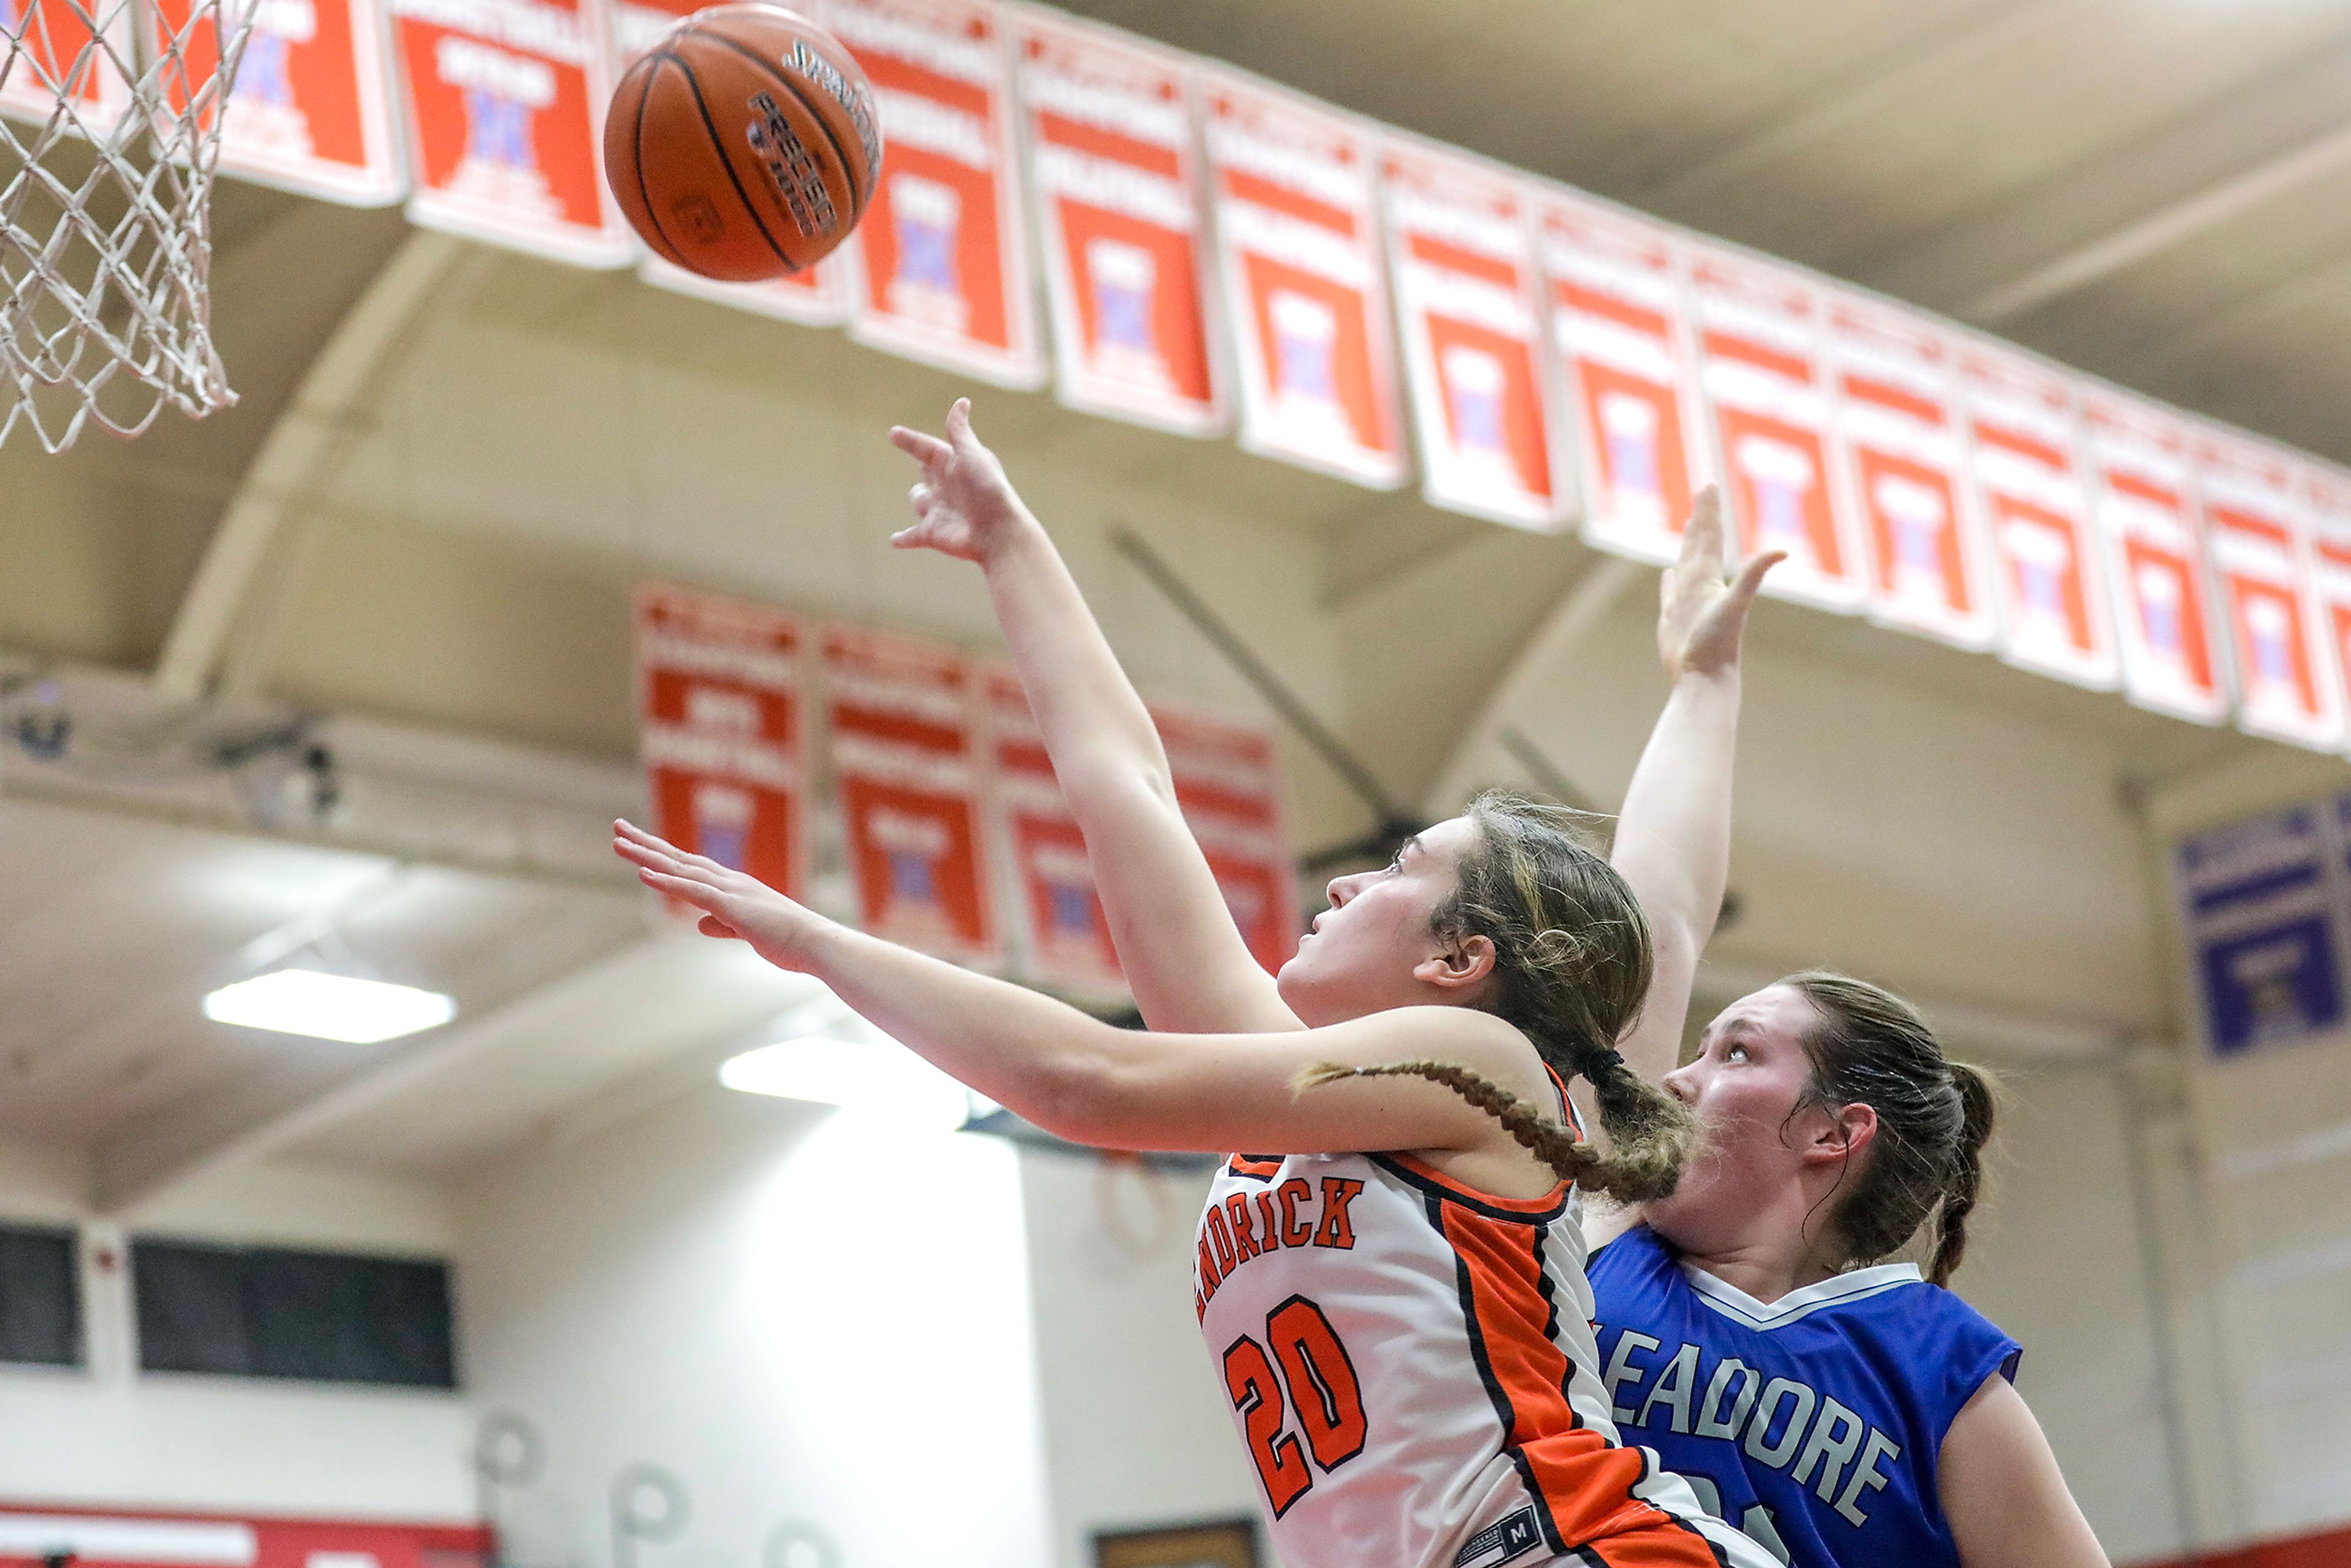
[{"x": 1316, "y": 1379}]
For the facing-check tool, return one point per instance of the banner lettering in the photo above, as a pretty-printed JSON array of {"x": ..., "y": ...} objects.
[
  {"x": 1461, "y": 251},
  {"x": 937, "y": 266},
  {"x": 1614, "y": 285},
  {"x": 1896, "y": 409},
  {"x": 2258, "y": 528},
  {"x": 505, "y": 113},
  {"x": 908, "y": 766},
  {"x": 2146, "y": 505},
  {"x": 720, "y": 702},
  {"x": 1298, "y": 248},
  {"x": 309, "y": 111},
  {"x": 1112, "y": 160},
  {"x": 1760, "y": 332}
]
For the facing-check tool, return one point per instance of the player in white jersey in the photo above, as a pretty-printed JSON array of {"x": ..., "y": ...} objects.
[{"x": 1405, "y": 1333}]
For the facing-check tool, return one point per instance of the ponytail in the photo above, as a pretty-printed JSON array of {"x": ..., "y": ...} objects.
[
  {"x": 1933, "y": 1118},
  {"x": 1978, "y": 1101}
]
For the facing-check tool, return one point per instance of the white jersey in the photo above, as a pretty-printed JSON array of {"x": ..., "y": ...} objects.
[{"x": 1412, "y": 1367}]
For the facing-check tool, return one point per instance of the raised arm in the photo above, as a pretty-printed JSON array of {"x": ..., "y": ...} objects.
[
  {"x": 1185, "y": 960},
  {"x": 1088, "y": 1081},
  {"x": 1673, "y": 836}
]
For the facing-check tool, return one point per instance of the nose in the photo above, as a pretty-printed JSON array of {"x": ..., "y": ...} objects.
[
  {"x": 1341, "y": 889},
  {"x": 1682, "y": 1084}
]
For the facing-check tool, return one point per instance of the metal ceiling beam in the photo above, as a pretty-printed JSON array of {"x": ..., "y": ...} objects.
[
  {"x": 1580, "y": 614},
  {"x": 2160, "y": 230},
  {"x": 2233, "y": 150},
  {"x": 1882, "y": 84},
  {"x": 292, "y": 458}
]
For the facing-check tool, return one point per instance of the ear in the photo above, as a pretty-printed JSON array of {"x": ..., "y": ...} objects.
[
  {"x": 1461, "y": 966},
  {"x": 1840, "y": 1133}
]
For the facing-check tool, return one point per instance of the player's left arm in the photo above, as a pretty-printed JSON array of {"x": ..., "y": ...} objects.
[
  {"x": 2006, "y": 1500},
  {"x": 1086, "y": 1080}
]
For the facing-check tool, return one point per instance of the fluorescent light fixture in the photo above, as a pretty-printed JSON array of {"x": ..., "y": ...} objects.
[
  {"x": 329, "y": 1007},
  {"x": 869, "y": 1074}
]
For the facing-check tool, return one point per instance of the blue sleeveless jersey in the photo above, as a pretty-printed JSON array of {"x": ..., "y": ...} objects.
[{"x": 1812, "y": 1422}]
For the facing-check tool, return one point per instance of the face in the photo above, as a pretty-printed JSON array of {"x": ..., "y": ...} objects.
[
  {"x": 1749, "y": 1077},
  {"x": 1369, "y": 951}
]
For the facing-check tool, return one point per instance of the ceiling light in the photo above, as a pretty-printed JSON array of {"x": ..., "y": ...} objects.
[
  {"x": 873, "y": 1075},
  {"x": 329, "y": 1007}
]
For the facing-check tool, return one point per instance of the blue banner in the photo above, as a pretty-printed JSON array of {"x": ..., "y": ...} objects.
[{"x": 2262, "y": 903}]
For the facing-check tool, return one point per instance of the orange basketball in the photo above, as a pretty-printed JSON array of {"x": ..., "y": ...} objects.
[{"x": 743, "y": 145}]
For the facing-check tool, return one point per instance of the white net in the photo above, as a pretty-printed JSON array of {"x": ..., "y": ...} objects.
[{"x": 110, "y": 113}]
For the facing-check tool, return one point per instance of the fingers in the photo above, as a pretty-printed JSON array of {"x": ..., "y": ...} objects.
[
  {"x": 638, "y": 847},
  {"x": 920, "y": 497},
  {"x": 1702, "y": 540},
  {"x": 711, "y": 925},
  {"x": 920, "y": 445},
  {"x": 700, "y": 894},
  {"x": 1750, "y": 576},
  {"x": 959, "y": 430}
]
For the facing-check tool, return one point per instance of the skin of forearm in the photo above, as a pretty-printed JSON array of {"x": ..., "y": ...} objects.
[
  {"x": 1042, "y": 1059},
  {"x": 1084, "y": 705},
  {"x": 1673, "y": 835}
]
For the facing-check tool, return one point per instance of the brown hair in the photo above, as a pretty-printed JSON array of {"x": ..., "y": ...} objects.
[
  {"x": 1572, "y": 964},
  {"x": 1934, "y": 1117}
]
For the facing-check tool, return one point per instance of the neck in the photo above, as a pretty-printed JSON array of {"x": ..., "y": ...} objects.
[{"x": 1783, "y": 1247}]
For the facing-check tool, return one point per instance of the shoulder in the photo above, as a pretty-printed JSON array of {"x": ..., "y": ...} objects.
[{"x": 1466, "y": 1037}]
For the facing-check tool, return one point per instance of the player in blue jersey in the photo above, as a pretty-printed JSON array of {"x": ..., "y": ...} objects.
[{"x": 1841, "y": 1410}]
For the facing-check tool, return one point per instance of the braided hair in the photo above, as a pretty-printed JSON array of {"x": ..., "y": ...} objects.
[
  {"x": 1933, "y": 1118},
  {"x": 1571, "y": 966}
]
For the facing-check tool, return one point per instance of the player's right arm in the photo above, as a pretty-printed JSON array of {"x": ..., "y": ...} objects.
[{"x": 1185, "y": 959}]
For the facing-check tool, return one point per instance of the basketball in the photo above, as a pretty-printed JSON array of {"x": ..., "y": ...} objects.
[{"x": 743, "y": 145}]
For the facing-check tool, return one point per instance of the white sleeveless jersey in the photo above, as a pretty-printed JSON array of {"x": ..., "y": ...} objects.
[{"x": 1412, "y": 1367}]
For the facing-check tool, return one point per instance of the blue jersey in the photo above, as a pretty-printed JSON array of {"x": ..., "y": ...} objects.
[{"x": 1812, "y": 1422}]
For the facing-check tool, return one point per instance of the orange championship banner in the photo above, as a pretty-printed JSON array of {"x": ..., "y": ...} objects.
[
  {"x": 721, "y": 703},
  {"x": 908, "y": 765},
  {"x": 2145, "y": 501},
  {"x": 938, "y": 269},
  {"x": 2257, "y": 526},
  {"x": 1230, "y": 795},
  {"x": 51, "y": 64},
  {"x": 1114, "y": 166},
  {"x": 1461, "y": 252},
  {"x": 504, "y": 105},
  {"x": 1298, "y": 251},
  {"x": 309, "y": 111},
  {"x": 1060, "y": 934},
  {"x": 1614, "y": 289},
  {"x": 1896, "y": 408},
  {"x": 2326, "y": 500},
  {"x": 815, "y": 296},
  {"x": 1761, "y": 332},
  {"x": 2024, "y": 468}
]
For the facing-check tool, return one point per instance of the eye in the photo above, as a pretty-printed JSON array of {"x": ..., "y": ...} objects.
[{"x": 1736, "y": 1052}]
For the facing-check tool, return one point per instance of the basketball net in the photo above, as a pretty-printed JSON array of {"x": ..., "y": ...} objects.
[{"x": 110, "y": 115}]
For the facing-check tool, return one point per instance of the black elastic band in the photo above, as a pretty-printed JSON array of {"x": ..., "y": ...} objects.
[{"x": 1601, "y": 1061}]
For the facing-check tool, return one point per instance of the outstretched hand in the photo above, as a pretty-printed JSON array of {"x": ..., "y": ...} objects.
[
  {"x": 967, "y": 505},
  {"x": 1700, "y": 617},
  {"x": 732, "y": 903}
]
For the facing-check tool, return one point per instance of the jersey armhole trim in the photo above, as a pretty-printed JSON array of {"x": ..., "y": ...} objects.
[{"x": 1433, "y": 1182}]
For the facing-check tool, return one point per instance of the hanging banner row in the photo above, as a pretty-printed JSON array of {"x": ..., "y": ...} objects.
[
  {"x": 952, "y": 829},
  {"x": 1207, "y": 240}
]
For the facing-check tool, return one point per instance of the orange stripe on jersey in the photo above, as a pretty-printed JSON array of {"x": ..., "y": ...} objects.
[
  {"x": 1584, "y": 1482},
  {"x": 1425, "y": 1176}
]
